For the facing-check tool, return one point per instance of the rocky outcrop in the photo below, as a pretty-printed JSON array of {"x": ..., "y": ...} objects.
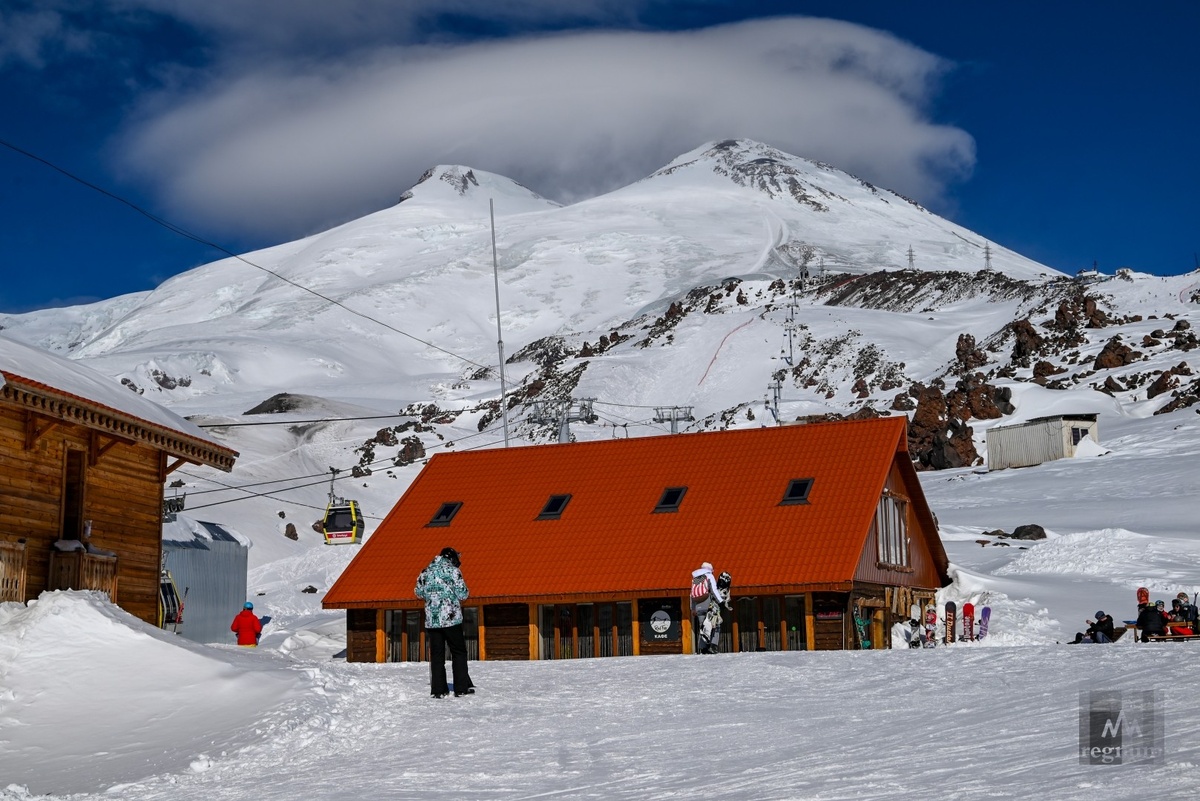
[
  {"x": 1115, "y": 354},
  {"x": 936, "y": 439},
  {"x": 1027, "y": 342}
]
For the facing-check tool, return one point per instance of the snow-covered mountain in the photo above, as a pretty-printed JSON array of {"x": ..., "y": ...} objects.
[{"x": 737, "y": 283}]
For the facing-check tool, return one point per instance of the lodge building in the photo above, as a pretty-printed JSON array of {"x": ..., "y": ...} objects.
[
  {"x": 586, "y": 549},
  {"x": 83, "y": 461}
]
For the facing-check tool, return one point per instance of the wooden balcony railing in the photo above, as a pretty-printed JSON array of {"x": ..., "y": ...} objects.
[
  {"x": 12, "y": 571},
  {"x": 79, "y": 570}
]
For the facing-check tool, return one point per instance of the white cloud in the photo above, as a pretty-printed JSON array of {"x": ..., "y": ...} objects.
[{"x": 297, "y": 145}]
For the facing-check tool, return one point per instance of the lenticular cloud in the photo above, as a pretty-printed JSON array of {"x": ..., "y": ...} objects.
[{"x": 280, "y": 149}]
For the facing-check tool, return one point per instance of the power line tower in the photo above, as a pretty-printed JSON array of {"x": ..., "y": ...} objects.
[
  {"x": 791, "y": 325},
  {"x": 912, "y": 258},
  {"x": 562, "y": 413},
  {"x": 987, "y": 256},
  {"x": 776, "y": 388},
  {"x": 673, "y": 415}
]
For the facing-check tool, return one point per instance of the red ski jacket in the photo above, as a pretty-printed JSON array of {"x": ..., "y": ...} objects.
[{"x": 247, "y": 627}]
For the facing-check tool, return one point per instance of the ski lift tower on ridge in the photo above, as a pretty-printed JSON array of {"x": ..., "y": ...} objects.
[{"x": 343, "y": 522}]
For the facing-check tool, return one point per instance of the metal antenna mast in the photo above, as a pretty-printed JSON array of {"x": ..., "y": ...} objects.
[{"x": 499, "y": 334}]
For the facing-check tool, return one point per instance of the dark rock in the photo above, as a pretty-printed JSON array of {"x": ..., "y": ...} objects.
[{"x": 1029, "y": 531}]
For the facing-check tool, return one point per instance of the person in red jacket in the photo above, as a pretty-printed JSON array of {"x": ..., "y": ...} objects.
[{"x": 247, "y": 626}]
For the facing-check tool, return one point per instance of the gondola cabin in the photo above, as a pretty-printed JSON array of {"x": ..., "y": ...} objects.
[
  {"x": 343, "y": 523},
  {"x": 170, "y": 601}
]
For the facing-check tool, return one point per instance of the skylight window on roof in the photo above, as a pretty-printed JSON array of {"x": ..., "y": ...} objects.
[
  {"x": 554, "y": 507},
  {"x": 445, "y": 514},
  {"x": 797, "y": 491},
  {"x": 670, "y": 500}
]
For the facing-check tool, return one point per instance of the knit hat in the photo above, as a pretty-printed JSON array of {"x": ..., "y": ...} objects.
[
  {"x": 1099, "y": 615},
  {"x": 706, "y": 566}
]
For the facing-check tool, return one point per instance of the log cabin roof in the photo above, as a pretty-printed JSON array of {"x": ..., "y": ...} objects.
[
  {"x": 52, "y": 387},
  {"x": 497, "y": 508}
]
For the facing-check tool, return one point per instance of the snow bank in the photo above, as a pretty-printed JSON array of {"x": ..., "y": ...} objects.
[{"x": 90, "y": 695}]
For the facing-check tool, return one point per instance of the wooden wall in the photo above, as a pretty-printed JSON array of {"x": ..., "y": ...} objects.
[
  {"x": 506, "y": 631},
  {"x": 360, "y": 635},
  {"x": 922, "y": 572},
  {"x": 122, "y": 497}
]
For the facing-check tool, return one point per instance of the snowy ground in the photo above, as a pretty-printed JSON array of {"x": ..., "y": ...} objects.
[{"x": 971, "y": 721}]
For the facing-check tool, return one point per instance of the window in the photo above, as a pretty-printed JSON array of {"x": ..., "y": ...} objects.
[
  {"x": 891, "y": 530},
  {"x": 797, "y": 491},
  {"x": 670, "y": 500},
  {"x": 1078, "y": 434},
  {"x": 445, "y": 514},
  {"x": 554, "y": 507}
]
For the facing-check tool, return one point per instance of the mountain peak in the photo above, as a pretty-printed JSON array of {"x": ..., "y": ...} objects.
[
  {"x": 456, "y": 184},
  {"x": 755, "y": 165}
]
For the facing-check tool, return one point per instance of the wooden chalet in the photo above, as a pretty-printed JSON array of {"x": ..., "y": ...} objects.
[
  {"x": 83, "y": 461},
  {"x": 586, "y": 549}
]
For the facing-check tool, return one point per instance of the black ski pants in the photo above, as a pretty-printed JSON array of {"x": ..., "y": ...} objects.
[{"x": 436, "y": 641}]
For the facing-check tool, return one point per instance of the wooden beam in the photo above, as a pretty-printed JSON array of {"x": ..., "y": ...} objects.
[
  {"x": 178, "y": 463},
  {"x": 97, "y": 447},
  {"x": 35, "y": 428}
]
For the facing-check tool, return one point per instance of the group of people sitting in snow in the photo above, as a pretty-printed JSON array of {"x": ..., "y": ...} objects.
[{"x": 1153, "y": 620}]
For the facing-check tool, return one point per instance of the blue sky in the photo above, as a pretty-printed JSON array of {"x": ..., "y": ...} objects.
[{"x": 1065, "y": 131}]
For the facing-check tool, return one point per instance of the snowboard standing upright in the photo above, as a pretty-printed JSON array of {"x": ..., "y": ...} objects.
[
  {"x": 968, "y": 621},
  {"x": 985, "y": 615},
  {"x": 951, "y": 621},
  {"x": 860, "y": 627},
  {"x": 1143, "y": 596},
  {"x": 930, "y": 639}
]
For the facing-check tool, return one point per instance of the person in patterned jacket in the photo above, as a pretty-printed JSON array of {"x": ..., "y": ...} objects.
[{"x": 442, "y": 588}]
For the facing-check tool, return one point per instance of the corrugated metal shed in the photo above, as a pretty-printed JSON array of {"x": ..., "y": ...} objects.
[
  {"x": 209, "y": 561},
  {"x": 1042, "y": 439}
]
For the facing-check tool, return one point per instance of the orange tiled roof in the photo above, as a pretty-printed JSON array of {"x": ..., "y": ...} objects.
[{"x": 608, "y": 539}]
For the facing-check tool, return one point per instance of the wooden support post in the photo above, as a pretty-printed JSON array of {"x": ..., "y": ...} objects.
[
  {"x": 689, "y": 645},
  {"x": 810, "y": 633},
  {"x": 637, "y": 630},
  {"x": 380, "y": 635},
  {"x": 534, "y": 639},
  {"x": 482, "y": 637}
]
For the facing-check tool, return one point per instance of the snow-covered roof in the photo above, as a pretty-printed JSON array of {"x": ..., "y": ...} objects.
[
  {"x": 187, "y": 532},
  {"x": 24, "y": 365}
]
